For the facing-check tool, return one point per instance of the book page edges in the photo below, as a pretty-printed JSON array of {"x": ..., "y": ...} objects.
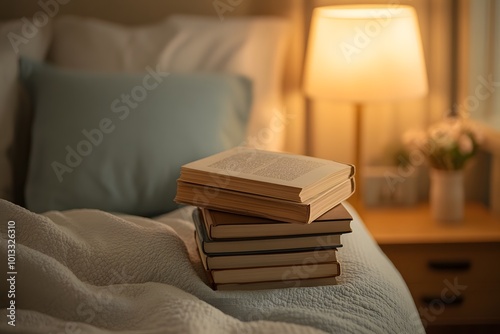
[
  {"x": 238, "y": 275},
  {"x": 312, "y": 282}
]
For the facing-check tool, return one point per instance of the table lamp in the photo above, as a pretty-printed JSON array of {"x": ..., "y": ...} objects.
[{"x": 364, "y": 53}]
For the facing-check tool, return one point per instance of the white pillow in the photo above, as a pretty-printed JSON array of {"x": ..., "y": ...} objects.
[
  {"x": 95, "y": 45},
  {"x": 16, "y": 38},
  {"x": 254, "y": 47}
]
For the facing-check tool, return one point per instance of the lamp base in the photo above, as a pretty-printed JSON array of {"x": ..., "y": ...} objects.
[{"x": 357, "y": 199}]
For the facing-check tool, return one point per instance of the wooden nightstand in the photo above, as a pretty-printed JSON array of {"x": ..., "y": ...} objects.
[{"x": 452, "y": 270}]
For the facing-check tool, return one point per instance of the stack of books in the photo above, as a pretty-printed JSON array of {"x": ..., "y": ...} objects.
[{"x": 267, "y": 219}]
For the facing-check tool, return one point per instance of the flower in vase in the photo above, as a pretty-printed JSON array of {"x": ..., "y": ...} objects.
[{"x": 448, "y": 145}]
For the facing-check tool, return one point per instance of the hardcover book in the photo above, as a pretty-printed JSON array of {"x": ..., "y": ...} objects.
[{"x": 220, "y": 225}]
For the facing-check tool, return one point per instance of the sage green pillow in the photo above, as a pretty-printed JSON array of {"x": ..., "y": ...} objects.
[{"x": 116, "y": 142}]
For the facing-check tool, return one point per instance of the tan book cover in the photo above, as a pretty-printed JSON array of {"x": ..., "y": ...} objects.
[
  {"x": 220, "y": 224},
  {"x": 291, "y": 177},
  {"x": 255, "y": 205}
]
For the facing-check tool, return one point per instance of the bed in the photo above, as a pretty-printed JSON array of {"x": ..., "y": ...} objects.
[{"x": 107, "y": 115}]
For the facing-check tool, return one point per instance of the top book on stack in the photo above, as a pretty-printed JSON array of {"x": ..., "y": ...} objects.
[{"x": 281, "y": 186}]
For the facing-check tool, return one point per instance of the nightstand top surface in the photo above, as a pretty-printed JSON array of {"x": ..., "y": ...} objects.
[{"x": 415, "y": 224}]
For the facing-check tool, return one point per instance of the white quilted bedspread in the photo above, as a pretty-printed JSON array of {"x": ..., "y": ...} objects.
[{"x": 88, "y": 271}]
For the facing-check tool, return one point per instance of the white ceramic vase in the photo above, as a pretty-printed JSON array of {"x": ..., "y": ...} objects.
[{"x": 447, "y": 195}]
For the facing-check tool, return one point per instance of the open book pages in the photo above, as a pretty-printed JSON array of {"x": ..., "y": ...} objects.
[
  {"x": 286, "y": 176},
  {"x": 254, "y": 205}
]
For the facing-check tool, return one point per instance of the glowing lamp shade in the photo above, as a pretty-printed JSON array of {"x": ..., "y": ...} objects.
[{"x": 365, "y": 53}]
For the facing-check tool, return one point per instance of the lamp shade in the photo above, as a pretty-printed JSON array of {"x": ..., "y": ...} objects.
[{"x": 365, "y": 53}]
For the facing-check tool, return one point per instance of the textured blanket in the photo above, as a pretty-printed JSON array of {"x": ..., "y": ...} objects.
[{"x": 87, "y": 271}]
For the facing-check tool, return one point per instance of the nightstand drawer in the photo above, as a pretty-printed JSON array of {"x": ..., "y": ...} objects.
[
  {"x": 431, "y": 256},
  {"x": 447, "y": 302},
  {"x": 473, "y": 264}
]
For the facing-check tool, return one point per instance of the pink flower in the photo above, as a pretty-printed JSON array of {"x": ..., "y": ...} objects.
[{"x": 442, "y": 141}]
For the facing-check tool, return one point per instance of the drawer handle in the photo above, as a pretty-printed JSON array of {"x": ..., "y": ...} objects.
[
  {"x": 459, "y": 300},
  {"x": 463, "y": 265}
]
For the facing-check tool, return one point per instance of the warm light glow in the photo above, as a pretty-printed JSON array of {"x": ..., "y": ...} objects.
[{"x": 365, "y": 53}]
